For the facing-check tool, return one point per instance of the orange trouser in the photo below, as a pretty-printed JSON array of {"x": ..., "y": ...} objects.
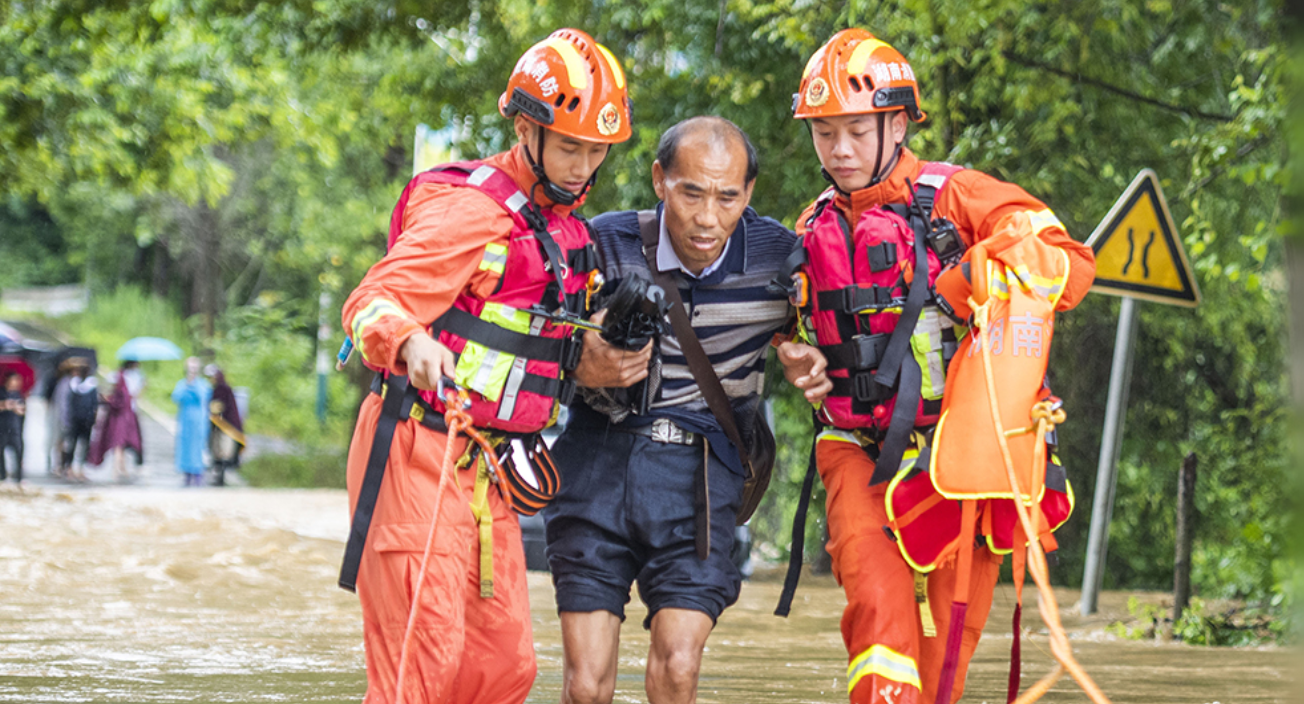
[
  {"x": 464, "y": 648},
  {"x": 890, "y": 659}
]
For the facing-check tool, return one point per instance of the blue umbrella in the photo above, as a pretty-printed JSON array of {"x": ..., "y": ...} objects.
[{"x": 144, "y": 349}]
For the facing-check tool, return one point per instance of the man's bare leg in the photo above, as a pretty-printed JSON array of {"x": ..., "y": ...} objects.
[
  {"x": 591, "y": 643},
  {"x": 678, "y": 637}
]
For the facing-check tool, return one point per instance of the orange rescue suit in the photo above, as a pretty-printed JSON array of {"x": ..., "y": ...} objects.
[
  {"x": 895, "y": 655},
  {"x": 464, "y": 648}
]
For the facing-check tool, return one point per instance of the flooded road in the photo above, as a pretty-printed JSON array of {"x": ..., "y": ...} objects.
[{"x": 150, "y": 594}]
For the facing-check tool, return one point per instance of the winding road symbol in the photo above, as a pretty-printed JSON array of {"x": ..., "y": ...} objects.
[
  {"x": 1145, "y": 253},
  {"x": 1138, "y": 249}
]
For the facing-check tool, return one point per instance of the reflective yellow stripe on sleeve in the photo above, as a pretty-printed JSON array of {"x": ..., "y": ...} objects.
[
  {"x": 377, "y": 309},
  {"x": 885, "y": 662},
  {"x": 1042, "y": 219},
  {"x": 495, "y": 258}
]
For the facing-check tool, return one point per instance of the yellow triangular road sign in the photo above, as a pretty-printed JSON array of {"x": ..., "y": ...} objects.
[{"x": 1138, "y": 253}]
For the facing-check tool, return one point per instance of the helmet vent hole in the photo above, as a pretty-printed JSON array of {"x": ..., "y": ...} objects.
[
  {"x": 561, "y": 98},
  {"x": 855, "y": 83},
  {"x": 574, "y": 103}
]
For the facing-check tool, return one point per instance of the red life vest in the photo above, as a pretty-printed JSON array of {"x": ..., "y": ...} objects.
[
  {"x": 859, "y": 287},
  {"x": 511, "y": 355}
]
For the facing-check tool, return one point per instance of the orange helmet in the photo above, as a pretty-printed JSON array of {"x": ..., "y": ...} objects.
[
  {"x": 571, "y": 85},
  {"x": 855, "y": 73}
]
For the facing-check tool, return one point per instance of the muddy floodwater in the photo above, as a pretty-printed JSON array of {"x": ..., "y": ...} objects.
[{"x": 147, "y": 594}]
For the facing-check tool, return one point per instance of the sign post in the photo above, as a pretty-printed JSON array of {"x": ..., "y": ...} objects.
[{"x": 1138, "y": 255}]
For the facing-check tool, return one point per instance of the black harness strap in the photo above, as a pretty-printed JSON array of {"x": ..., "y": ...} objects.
[
  {"x": 470, "y": 327},
  {"x": 899, "y": 345},
  {"x": 551, "y": 250},
  {"x": 561, "y": 389},
  {"x": 397, "y": 403},
  {"x": 797, "y": 550},
  {"x": 860, "y": 352}
]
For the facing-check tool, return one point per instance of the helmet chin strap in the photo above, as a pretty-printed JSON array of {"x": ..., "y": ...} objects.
[
  {"x": 555, "y": 193},
  {"x": 878, "y": 161}
]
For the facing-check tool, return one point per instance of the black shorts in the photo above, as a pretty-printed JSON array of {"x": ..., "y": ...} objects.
[{"x": 625, "y": 512}]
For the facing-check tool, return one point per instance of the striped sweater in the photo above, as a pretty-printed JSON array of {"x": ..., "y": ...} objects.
[{"x": 733, "y": 314}]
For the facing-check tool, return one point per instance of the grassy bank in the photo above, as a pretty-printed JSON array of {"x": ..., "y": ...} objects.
[{"x": 317, "y": 467}]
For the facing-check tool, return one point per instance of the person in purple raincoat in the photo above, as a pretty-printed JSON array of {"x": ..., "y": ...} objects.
[{"x": 118, "y": 428}]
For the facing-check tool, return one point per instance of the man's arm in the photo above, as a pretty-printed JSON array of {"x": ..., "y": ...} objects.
[{"x": 437, "y": 256}]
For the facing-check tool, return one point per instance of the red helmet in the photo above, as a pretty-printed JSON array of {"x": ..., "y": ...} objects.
[
  {"x": 855, "y": 73},
  {"x": 571, "y": 85}
]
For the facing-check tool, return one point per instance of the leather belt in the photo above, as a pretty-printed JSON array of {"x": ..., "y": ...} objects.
[{"x": 663, "y": 430}]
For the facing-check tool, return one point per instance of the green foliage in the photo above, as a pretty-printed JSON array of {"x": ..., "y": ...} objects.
[
  {"x": 1230, "y": 624},
  {"x": 313, "y": 468}
]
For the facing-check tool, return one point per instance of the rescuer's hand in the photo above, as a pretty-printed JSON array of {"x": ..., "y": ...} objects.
[
  {"x": 603, "y": 365},
  {"x": 803, "y": 366},
  {"x": 426, "y": 359}
]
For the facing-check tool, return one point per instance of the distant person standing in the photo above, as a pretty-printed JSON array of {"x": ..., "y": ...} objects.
[
  {"x": 81, "y": 401},
  {"x": 56, "y": 412},
  {"x": 13, "y": 409},
  {"x": 226, "y": 437},
  {"x": 192, "y": 395},
  {"x": 119, "y": 428}
]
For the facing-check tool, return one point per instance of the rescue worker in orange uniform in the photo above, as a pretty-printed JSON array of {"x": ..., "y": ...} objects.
[
  {"x": 858, "y": 96},
  {"x": 486, "y": 259}
]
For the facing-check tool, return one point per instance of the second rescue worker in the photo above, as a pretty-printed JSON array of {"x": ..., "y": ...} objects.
[
  {"x": 858, "y": 96},
  {"x": 485, "y": 261}
]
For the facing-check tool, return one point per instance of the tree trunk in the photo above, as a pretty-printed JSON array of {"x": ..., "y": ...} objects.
[{"x": 161, "y": 282}]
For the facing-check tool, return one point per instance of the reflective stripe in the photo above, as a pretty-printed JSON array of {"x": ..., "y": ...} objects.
[
  {"x": 495, "y": 258},
  {"x": 615, "y": 66},
  {"x": 931, "y": 180},
  {"x": 926, "y": 344},
  {"x": 885, "y": 662},
  {"x": 377, "y": 309},
  {"x": 480, "y": 175},
  {"x": 484, "y": 369},
  {"x": 1042, "y": 219},
  {"x": 516, "y": 201},
  {"x": 860, "y": 55},
  {"x": 837, "y": 435},
  {"x": 516, "y": 376},
  {"x": 576, "y": 71},
  {"x": 1050, "y": 289},
  {"x": 997, "y": 285}
]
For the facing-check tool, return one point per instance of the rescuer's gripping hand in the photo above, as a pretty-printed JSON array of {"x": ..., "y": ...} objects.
[
  {"x": 605, "y": 366},
  {"x": 953, "y": 286},
  {"x": 426, "y": 359},
  {"x": 803, "y": 366}
]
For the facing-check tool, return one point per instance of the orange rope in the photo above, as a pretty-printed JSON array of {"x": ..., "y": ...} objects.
[
  {"x": 458, "y": 421},
  {"x": 1045, "y": 418}
]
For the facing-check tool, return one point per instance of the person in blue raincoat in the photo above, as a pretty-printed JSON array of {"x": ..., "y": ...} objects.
[{"x": 192, "y": 395}]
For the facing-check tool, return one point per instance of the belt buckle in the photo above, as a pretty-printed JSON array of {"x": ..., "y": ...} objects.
[{"x": 664, "y": 430}]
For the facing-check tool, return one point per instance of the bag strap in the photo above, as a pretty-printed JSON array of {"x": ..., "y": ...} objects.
[{"x": 698, "y": 363}]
